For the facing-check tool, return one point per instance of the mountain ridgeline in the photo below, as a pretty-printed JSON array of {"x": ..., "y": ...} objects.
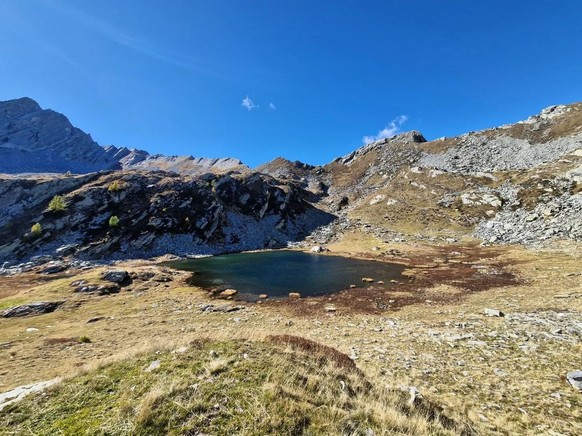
[
  {"x": 517, "y": 183},
  {"x": 36, "y": 140}
]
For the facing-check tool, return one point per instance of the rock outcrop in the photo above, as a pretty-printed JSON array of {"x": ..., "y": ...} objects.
[{"x": 158, "y": 213}]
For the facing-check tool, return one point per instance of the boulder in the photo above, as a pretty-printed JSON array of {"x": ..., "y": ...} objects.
[
  {"x": 116, "y": 276},
  {"x": 36, "y": 308},
  {"x": 229, "y": 293},
  {"x": 55, "y": 268},
  {"x": 113, "y": 288},
  {"x": 367, "y": 280},
  {"x": 575, "y": 379},
  {"x": 493, "y": 312},
  {"x": 294, "y": 295}
]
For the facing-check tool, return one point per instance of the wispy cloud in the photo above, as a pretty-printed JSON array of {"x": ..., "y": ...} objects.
[
  {"x": 129, "y": 41},
  {"x": 248, "y": 103},
  {"x": 272, "y": 106},
  {"x": 387, "y": 132}
]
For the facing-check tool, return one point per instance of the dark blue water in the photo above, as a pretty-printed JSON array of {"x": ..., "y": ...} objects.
[{"x": 276, "y": 273}]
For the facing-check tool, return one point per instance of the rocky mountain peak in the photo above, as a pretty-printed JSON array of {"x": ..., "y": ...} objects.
[
  {"x": 410, "y": 136},
  {"x": 18, "y": 107},
  {"x": 36, "y": 140}
]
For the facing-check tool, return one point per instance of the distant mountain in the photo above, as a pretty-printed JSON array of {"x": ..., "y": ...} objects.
[{"x": 36, "y": 140}]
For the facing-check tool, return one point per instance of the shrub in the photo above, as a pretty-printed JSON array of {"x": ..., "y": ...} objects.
[
  {"x": 115, "y": 186},
  {"x": 36, "y": 229},
  {"x": 57, "y": 204},
  {"x": 113, "y": 221}
]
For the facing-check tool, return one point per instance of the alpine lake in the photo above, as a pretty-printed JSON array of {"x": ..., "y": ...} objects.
[{"x": 278, "y": 273}]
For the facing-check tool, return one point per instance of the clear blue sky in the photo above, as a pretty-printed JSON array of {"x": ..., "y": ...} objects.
[{"x": 171, "y": 76}]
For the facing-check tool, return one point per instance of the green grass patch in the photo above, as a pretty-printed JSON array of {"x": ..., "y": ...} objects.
[{"x": 252, "y": 388}]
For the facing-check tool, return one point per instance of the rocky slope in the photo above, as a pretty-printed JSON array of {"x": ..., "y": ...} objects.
[
  {"x": 518, "y": 183},
  {"x": 35, "y": 140},
  {"x": 137, "y": 214}
]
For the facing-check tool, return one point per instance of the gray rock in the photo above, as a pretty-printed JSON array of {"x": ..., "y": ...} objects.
[
  {"x": 116, "y": 276},
  {"x": 153, "y": 366},
  {"x": 36, "y": 308},
  {"x": 55, "y": 268},
  {"x": 575, "y": 379},
  {"x": 98, "y": 289},
  {"x": 493, "y": 312}
]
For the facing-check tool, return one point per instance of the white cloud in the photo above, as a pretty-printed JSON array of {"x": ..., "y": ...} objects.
[
  {"x": 272, "y": 106},
  {"x": 248, "y": 103},
  {"x": 387, "y": 132}
]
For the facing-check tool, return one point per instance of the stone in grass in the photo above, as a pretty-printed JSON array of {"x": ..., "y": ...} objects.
[
  {"x": 368, "y": 280},
  {"x": 294, "y": 295},
  {"x": 116, "y": 276},
  {"x": 575, "y": 379},
  {"x": 36, "y": 308},
  {"x": 493, "y": 312},
  {"x": 153, "y": 366}
]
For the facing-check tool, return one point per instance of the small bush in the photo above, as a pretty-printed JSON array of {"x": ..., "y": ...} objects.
[
  {"x": 115, "y": 186},
  {"x": 84, "y": 340},
  {"x": 57, "y": 204},
  {"x": 113, "y": 221},
  {"x": 36, "y": 229}
]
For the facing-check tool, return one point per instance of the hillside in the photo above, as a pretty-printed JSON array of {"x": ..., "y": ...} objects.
[{"x": 157, "y": 212}]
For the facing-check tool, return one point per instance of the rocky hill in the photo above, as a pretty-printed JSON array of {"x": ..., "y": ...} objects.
[
  {"x": 36, "y": 140},
  {"x": 137, "y": 214},
  {"x": 518, "y": 183}
]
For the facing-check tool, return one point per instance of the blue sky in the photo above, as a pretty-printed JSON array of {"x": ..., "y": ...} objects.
[{"x": 308, "y": 80}]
